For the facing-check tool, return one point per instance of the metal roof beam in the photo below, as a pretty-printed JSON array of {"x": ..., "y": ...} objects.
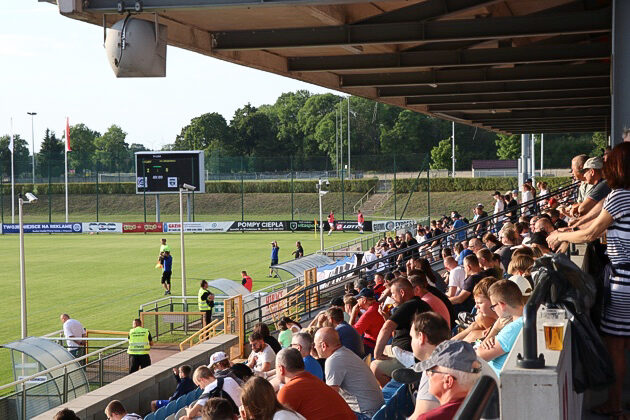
[
  {"x": 508, "y": 96},
  {"x": 111, "y": 6},
  {"x": 529, "y": 130},
  {"x": 430, "y": 9},
  {"x": 459, "y": 76},
  {"x": 542, "y": 86},
  {"x": 534, "y": 114},
  {"x": 452, "y": 58},
  {"x": 603, "y": 101},
  {"x": 597, "y": 21}
]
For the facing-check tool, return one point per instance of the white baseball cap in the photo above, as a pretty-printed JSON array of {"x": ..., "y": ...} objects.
[
  {"x": 217, "y": 357},
  {"x": 523, "y": 284}
]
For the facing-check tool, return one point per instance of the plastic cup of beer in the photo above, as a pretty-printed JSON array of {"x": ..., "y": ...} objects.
[{"x": 553, "y": 323}]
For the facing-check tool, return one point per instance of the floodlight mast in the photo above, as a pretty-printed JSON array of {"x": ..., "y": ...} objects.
[{"x": 183, "y": 188}]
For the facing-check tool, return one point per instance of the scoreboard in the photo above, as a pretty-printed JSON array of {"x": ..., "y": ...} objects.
[{"x": 165, "y": 172}]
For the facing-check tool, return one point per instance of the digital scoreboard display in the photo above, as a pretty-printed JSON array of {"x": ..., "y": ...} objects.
[{"x": 165, "y": 172}]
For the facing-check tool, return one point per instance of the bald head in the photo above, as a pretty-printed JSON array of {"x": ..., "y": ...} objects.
[
  {"x": 475, "y": 244},
  {"x": 326, "y": 342},
  {"x": 450, "y": 263}
]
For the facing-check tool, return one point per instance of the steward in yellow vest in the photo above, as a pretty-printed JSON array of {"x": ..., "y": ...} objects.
[
  {"x": 205, "y": 301},
  {"x": 140, "y": 342}
]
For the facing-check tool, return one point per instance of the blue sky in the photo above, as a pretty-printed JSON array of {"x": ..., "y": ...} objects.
[{"x": 57, "y": 67}]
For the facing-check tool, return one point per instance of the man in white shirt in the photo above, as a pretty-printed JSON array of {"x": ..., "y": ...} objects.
[
  {"x": 262, "y": 358},
  {"x": 456, "y": 276},
  {"x": 71, "y": 329},
  {"x": 499, "y": 206},
  {"x": 368, "y": 257},
  {"x": 205, "y": 380}
]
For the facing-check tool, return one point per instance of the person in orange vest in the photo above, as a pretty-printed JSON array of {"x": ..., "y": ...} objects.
[
  {"x": 247, "y": 281},
  {"x": 331, "y": 222},
  {"x": 360, "y": 221}
]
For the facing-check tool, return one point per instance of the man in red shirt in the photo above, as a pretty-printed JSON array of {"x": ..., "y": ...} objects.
[
  {"x": 369, "y": 324},
  {"x": 247, "y": 281},
  {"x": 360, "y": 221},
  {"x": 307, "y": 394},
  {"x": 453, "y": 369},
  {"x": 331, "y": 222}
]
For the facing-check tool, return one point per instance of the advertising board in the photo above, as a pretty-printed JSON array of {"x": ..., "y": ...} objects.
[
  {"x": 389, "y": 225},
  {"x": 273, "y": 303},
  {"x": 102, "y": 227},
  {"x": 43, "y": 228},
  {"x": 259, "y": 226},
  {"x": 139, "y": 227},
  {"x": 199, "y": 227}
]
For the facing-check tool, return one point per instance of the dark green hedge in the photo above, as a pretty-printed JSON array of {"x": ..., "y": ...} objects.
[{"x": 359, "y": 186}]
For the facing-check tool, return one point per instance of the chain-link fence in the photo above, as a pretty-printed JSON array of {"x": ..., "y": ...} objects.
[{"x": 238, "y": 188}]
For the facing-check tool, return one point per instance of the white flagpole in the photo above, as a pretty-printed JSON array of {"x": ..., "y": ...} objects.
[
  {"x": 66, "y": 178},
  {"x": 12, "y": 178}
]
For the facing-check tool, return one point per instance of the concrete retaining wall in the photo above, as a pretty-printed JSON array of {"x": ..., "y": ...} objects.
[{"x": 136, "y": 391}]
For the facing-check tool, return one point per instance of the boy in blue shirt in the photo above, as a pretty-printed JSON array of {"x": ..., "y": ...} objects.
[
  {"x": 167, "y": 265},
  {"x": 507, "y": 301}
]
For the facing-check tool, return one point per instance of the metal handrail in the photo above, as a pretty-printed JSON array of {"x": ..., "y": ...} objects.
[
  {"x": 211, "y": 326},
  {"x": 478, "y": 400},
  {"x": 62, "y": 365},
  {"x": 360, "y": 201}
]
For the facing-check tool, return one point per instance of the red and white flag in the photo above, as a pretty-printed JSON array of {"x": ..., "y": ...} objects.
[{"x": 68, "y": 148}]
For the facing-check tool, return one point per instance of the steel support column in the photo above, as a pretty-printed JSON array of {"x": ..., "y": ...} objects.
[{"x": 620, "y": 70}]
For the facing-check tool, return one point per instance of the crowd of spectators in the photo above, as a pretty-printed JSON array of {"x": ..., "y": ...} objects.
[{"x": 402, "y": 323}]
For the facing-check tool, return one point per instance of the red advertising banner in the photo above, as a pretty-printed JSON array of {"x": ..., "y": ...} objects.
[{"x": 142, "y": 227}]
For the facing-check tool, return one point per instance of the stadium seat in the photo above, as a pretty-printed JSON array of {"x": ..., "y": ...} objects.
[
  {"x": 180, "y": 403},
  {"x": 190, "y": 397},
  {"x": 170, "y": 408},
  {"x": 180, "y": 413},
  {"x": 399, "y": 407},
  {"x": 150, "y": 416},
  {"x": 160, "y": 414},
  {"x": 171, "y": 417}
]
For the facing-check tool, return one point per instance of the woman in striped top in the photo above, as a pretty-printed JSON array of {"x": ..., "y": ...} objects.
[{"x": 614, "y": 219}]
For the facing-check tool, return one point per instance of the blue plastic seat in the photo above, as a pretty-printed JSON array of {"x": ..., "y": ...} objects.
[
  {"x": 160, "y": 414},
  {"x": 180, "y": 403},
  {"x": 150, "y": 416},
  {"x": 190, "y": 397},
  {"x": 170, "y": 408},
  {"x": 399, "y": 406}
]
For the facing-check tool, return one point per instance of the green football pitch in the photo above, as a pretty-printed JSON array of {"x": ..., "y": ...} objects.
[{"x": 101, "y": 280}]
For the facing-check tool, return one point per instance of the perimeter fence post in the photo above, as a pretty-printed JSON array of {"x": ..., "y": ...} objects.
[
  {"x": 101, "y": 366},
  {"x": 428, "y": 196},
  {"x": 395, "y": 203},
  {"x": 23, "y": 401},
  {"x": 1, "y": 198},
  {"x": 292, "y": 190},
  {"x": 65, "y": 385},
  {"x": 97, "y": 192},
  {"x": 49, "y": 194}
]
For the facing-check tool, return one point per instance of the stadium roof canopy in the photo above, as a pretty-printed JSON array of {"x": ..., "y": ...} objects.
[
  {"x": 298, "y": 266},
  {"x": 512, "y": 66}
]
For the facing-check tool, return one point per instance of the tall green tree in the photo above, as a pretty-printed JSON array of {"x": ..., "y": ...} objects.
[
  {"x": 284, "y": 117},
  {"x": 82, "y": 140},
  {"x": 21, "y": 157},
  {"x": 253, "y": 133},
  {"x": 50, "y": 156},
  {"x": 112, "y": 152},
  {"x": 208, "y": 132},
  {"x": 600, "y": 142},
  {"x": 508, "y": 147},
  {"x": 441, "y": 155}
]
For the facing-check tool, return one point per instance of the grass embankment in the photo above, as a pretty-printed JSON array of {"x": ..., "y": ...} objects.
[{"x": 257, "y": 206}]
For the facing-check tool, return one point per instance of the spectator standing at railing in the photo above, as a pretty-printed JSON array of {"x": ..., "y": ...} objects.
[
  {"x": 73, "y": 329},
  {"x": 577, "y": 169},
  {"x": 480, "y": 213},
  {"x": 458, "y": 223},
  {"x": 593, "y": 175},
  {"x": 512, "y": 205},
  {"x": 499, "y": 206}
]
